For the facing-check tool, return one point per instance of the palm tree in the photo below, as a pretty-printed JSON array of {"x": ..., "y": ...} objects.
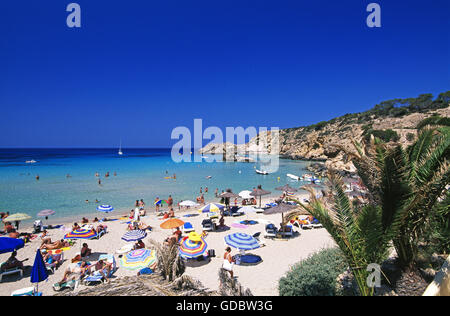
[
  {"x": 406, "y": 184},
  {"x": 356, "y": 229}
]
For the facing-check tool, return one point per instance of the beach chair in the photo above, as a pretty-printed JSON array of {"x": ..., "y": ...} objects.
[
  {"x": 72, "y": 284},
  {"x": 57, "y": 260},
  {"x": 316, "y": 224},
  {"x": 270, "y": 231},
  {"x": 9, "y": 272},
  {"x": 187, "y": 228},
  {"x": 103, "y": 232},
  {"x": 207, "y": 225},
  {"x": 28, "y": 291},
  {"x": 288, "y": 231},
  {"x": 97, "y": 277}
]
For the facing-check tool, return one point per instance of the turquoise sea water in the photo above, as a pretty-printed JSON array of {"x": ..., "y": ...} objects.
[{"x": 140, "y": 175}]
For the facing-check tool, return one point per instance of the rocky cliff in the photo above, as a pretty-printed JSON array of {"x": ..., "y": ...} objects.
[{"x": 322, "y": 141}]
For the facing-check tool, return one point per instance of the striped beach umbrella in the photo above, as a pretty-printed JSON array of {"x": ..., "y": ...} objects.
[
  {"x": 134, "y": 235},
  {"x": 159, "y": 202},
  {"x": 241, "y": 241},
  {"x": 212, "y": 207},
  {"x": 46, "y": 213},
  {"x": 192, "y": 249},
  {"x": 138, "y": 259},
  {"x": 105, "y": 208},
  {"x": 81, "y": 233}
]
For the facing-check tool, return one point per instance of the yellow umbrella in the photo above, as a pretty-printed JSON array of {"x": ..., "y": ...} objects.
[
  {"x": 17, "y": 217},
  {"x": 172, "y": 223},
  {"x": 196, "y": 237}
]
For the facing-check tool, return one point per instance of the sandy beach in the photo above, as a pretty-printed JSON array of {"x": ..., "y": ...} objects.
[{"x": 262, "y": 279}]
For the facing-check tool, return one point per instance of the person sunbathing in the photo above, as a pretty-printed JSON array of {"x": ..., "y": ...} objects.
[
  {"x": 171, "y": 213},
  {"x": 139, "y": 245},
  {"x": 100, "y": 228},
  {"x": 74, "y": 270},
  {"x": 12, "y": 263},
  {"x": 75, "y": 227},
  {"x": 101, "y": 268},
  {"x": 84, "y": 220},
  {"x": 56, "y": 245},
  {"x": 143, "y": 226}
]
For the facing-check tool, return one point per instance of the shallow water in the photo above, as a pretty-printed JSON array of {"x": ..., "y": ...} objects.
[{"x": 140, "y": 175}]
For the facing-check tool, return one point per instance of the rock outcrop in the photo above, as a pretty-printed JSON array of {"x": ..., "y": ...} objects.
[{"x": 324, "y": 141}]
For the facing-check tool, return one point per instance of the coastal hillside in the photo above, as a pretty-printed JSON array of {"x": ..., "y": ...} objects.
[{"x": 394, "y": 121}]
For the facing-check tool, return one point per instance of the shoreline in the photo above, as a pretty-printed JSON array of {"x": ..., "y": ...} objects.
[{"x": 262, "y": 279}]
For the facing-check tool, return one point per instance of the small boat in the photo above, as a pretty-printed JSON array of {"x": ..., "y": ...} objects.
[
  {"x": 293, "y": 176},
  {"x": 261, "y": 172},
  {"x": 120, "y": 149},
  {"x": 30, "y": 161}
]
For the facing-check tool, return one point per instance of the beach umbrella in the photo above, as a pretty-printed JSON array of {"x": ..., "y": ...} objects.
[
  {"x": 192, "y": 249},
  {"x": 81, "y": 233},
  {"x": 229, "y": 194},
  {"x": 46, "y": 213},
  {"x": 245, "y": 194},
  {"x": 8, "y": 244},
  {"x": 241, "y": 241},
  {"x": 134, "y": 235},
  {"x": 105, "y": 208},
  {"x": 17, "y": 217},
  {"x": 212, "y": 207},
  {"x": 286, "y": 188},
  {"x": 259, "y": 192},
  {"x": 194, "y": 236},
  {"x": 159, "y": 202},
  {"x": 172, "y": 223},
  {"x": 280, "y": 208},
  {"x": 138, "y": 259},
  {"x": 188, "y": 203},
  {"x": 39, "y": 271}
]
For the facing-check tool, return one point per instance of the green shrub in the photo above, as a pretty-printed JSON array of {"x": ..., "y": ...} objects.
[
  {"x": 410, "y": 137},
  {"x": 314, "y": 276},
  {"x": 385, "y": 135},
  {"x": 434, "y": 120}
]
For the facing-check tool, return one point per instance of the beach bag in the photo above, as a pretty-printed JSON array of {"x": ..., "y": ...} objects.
[{"x": 211, "y": 253}]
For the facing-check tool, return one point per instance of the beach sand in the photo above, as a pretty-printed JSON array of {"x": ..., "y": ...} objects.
[{"x": 261, "y": 279}]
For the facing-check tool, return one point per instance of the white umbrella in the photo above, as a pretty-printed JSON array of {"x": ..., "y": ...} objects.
[
  {"x": 189, "y": 203},
  {"x": 245, "y": 194}
]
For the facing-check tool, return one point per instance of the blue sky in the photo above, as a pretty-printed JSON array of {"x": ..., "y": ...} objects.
[{"x": 137, "y": 69}]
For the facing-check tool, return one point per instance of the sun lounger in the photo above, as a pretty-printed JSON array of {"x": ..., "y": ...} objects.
[
  {"x": 270, "y": 231},
  {"x": 72, "y": 284},
  {"x": 28, "y": 291},
  {"x": 10, "y": 271},
  {"x": 288, "y": 231},
  {"x": 207, "y": 225},
  {"x": 96, "y": 276},
  {"x": 187, "y": 228},
  {"x": 57, "y": 260}
]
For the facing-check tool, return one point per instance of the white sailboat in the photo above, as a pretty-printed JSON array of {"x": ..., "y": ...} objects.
[{"x": 120, "y": 149}]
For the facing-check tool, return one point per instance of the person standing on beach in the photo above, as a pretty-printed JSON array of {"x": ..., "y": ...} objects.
[
  {"x": 206, "y": 190},
  {"x": 201, "y": 190},
  {"x": 228, "y": 261},
  {"x": 157, "y": 204},
  {"x": 216, "y": 193},
  {"x": 170, "y": 201},
  {"x": 99, "y": 182}
]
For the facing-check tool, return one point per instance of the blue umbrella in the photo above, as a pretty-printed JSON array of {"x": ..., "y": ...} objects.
[
  {"x": 105, "y": 208},
  {"x": 10, "y": 244},
  {"x": 241, "y": 241},
  {"x": 134, "y": 235},
  {"x": 39, "y": 271}
]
